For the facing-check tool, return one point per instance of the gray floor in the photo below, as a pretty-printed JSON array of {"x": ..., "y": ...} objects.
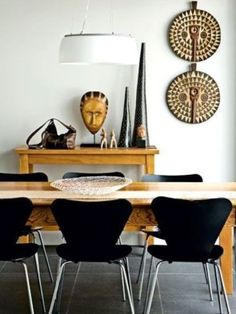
[{"x": 96, "y": 289}]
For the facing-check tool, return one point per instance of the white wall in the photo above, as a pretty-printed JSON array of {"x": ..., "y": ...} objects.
[{"x": 35, "y": 87}]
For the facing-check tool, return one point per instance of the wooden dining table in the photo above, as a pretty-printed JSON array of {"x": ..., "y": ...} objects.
[{"x": 140, "y": 194}]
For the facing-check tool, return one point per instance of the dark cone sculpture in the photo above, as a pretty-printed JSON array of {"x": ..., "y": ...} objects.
[
  {"x": 125, "y": 131},
  {"x": 140, "y": 132}
]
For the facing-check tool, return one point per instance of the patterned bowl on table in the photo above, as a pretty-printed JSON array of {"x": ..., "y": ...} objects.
[{"x": 95, "y": 185}]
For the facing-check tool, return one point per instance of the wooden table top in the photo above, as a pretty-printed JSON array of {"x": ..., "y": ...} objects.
[{"x": 139, "y": 193}]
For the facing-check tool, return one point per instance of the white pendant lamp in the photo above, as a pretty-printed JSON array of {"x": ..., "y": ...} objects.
[{"x": 98, "y": 48}]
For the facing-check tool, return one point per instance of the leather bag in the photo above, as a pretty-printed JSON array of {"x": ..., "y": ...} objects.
[{"x": 50, "y": 139}]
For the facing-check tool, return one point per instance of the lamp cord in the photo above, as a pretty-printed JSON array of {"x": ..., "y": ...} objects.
[{"x": 85, "y": 16}]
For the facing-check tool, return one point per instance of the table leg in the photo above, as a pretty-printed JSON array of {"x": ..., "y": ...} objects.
[
  {"x": 24, "y": 166},
  {"x": 149, "y": 165},
  {"x": 226, "y": 241}
]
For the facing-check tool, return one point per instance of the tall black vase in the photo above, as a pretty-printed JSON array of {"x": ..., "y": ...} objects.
[
  {"x": 125, "y": 131},
  {"x": 140, "y": 132}
]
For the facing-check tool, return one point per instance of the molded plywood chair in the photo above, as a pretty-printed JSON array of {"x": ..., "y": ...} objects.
[
  {"x": 69, "y": 175},
  {"x": 157, "y": 233},
  {"x": 191, "y": 229},
  {"x": 107, "y": 220},
  {"x": 27, "y": 229},
  {"x": 17, "y": 211}
]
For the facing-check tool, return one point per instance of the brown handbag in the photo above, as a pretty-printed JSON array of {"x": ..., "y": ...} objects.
[{"x": 50, "y": 139}]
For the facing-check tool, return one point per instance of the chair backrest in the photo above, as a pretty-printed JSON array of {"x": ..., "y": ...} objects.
[
  {"x": 69, "y": 175},
  {"x": 14, "y": 213},
  {"x": 29, "y": 177},
  {"x": 172, "y": 178},
  {"x": 106, "y": 220},
  {"x": 191, "y": 226}
]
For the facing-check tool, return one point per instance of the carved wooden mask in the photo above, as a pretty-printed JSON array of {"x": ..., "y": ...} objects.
[{"x": 93, "y": 107}]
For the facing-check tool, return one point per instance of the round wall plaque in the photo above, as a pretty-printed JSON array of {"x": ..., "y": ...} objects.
[
  {"x": 193, "y": 96},
  {"x": 194, "y": 35}
]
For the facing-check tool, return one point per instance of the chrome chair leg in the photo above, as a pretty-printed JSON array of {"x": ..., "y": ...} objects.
[
  {"x": 152, "y": 289},
  {"x": 122, "y": 285},
  {"x": 142, "y": 269},
  {"x": 122, "y": 278},
  {"x": 126, "y": 264},
  {"x": 208, "y": 279},
  {"x": 218, "y": 269},
  {"x": 59, "y": 265},
  {"x": 36, "y": 259},
  {"x": 28, "y": 288},
  {"x": 142, "y": 259},
  {"x": 218, "y": 288},
  {"x": 54, "y": 296},
  {"x": 148, "y": 282},
  {"x": 44, "y": 253},
  {"x": 128, "y": 287},
  {"x": 59, "y": 292}
]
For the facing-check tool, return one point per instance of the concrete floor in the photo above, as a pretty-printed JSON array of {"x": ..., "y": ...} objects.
[{"x": 97, "y": 289}]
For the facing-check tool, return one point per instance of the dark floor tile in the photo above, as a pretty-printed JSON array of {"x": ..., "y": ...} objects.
[{"x": 96, "y": 288}]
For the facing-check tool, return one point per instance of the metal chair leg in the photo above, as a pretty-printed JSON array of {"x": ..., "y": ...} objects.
[
  {"x": 126, "y": 264},
  {"x": 54, "y": 296},
  {"x": 152, "y": 289},
  {"x": 208, "y": 279},
  {"x": 44, "y": 253},
  {"x": 217, "y": 266},
  {"x": 36, "y": 259},
  {"x": 59, "y": 293},
  {"x": 28, "y": 288},
  {"x": 142, "y": 269},
  {"x": 148, "y": 282},
  {"x": 142, "y": 259},
  {"x": 122, "y": 278},
  {"x": 218, "y": 288},
  {"x": 122, "y": 285},
  {"x": 59, "y": 265},
  {"x": 128, "y": 287}
]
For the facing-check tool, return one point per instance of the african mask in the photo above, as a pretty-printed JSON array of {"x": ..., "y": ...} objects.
[{"x": 93, "y": 107}]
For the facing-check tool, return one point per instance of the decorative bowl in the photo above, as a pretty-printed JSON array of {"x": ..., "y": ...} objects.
[{"x": 95, "y": 185}]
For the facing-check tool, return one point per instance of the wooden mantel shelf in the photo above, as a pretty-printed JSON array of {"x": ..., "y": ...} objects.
[{"x": 87, "y": 156}]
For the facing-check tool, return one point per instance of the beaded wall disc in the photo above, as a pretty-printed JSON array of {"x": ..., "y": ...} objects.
[
  {"x": 194, "y": 35},
  {"x": 193, "y": 97}
]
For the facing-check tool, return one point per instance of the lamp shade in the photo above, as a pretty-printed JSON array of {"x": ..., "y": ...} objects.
[{"x": 98, "y": 48}]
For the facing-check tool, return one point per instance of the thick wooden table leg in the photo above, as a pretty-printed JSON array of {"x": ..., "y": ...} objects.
[
  {"x": 24, "y": 239},
  {"x": 24, "y": 164},
  {"x": 226, "y": 241}
]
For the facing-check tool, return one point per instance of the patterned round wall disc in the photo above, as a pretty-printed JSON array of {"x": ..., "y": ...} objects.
[
  {"x": 194, "y": 35},
  {"x": 193, "y": 97}
]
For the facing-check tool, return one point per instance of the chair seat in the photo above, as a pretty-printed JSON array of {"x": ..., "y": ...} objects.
[
  {"x": 17, "y": 251},
  {"x": 93, "y": 253},
  {"x": 164, "y": 252}
]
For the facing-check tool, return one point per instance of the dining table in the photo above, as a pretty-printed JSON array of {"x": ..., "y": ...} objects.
[{"x": 140, "y": 194}]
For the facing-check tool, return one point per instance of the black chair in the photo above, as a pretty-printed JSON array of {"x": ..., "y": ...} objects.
[
  {"x": 191, "y": 229},
  {"x": 69, "y": 175},
  {"x": 28, "y": 229},
  {"x": 157, "y": 233},
  {"x": 17, "y": 211},
  {"x": 107, "y": 220}
]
